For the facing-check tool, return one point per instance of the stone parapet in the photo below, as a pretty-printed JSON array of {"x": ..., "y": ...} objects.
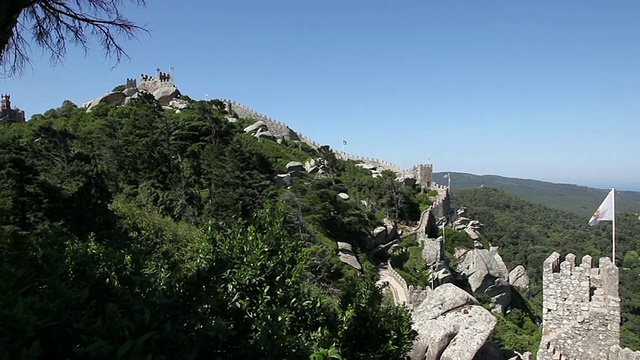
[
  {"x": 397, "y": 276},
  {"x": 152, "y": 83},
  {"x": 276, "y": 128},
  {"x": 581, "y": 310},
  {"x": 380, "y": 164}
]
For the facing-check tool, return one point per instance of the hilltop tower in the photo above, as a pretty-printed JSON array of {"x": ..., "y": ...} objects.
[
  {"x": 152, "y": 83},
  {"x": 581, "y": 311},
  {"x": 7, "y": 113},
  {"x": 6, "y": 102},
  {"x": 424, "y": 175}
]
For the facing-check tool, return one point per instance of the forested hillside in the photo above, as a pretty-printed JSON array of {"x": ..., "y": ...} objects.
[
  {"x": 137, "y": 232},
  {"x": 528, "y": 233},
  {"x": 580, "y": 200}
]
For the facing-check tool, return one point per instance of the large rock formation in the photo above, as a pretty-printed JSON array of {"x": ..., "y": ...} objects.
[
  {"x": 450, "y": 325},
  {"x": 487, "y": 274},
  {"x": 518, "y": 278},
  {"x": 347, "y": 256},
  {"x": 160, "y": 86}
]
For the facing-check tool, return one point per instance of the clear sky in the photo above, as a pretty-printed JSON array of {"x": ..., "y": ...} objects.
[{"x": 545, "y": 90}]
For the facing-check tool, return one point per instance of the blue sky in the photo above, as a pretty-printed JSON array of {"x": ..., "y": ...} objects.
[{"x": 544, "y": 90}]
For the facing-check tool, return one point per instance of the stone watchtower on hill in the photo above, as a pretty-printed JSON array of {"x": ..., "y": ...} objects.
[
  {"x": 7, "y": 113},
  {"x": 581, "y": 311},
  {"x": 152, "y": 83}
]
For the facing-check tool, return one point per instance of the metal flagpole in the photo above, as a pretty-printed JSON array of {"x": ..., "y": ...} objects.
[{"x": 613, "y": 221}]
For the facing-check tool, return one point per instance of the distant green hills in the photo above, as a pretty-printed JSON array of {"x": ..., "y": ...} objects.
[{"x": 580, "y": 200}]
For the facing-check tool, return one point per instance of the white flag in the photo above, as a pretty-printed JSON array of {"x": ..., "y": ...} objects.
[{"x": 605, "y": 211}]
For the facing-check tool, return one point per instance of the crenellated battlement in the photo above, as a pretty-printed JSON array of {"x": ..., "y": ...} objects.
[
  {"x": 131, "y": 83},
  {"x": 151, "y": 83},
  {"x": 580, "y": 310}
]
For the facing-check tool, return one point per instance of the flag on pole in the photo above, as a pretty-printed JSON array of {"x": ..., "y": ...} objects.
[
  {"x": 344, "y": 142},
  {"x": 206, "y": 95},
  {"x": 605, "y": 211}
]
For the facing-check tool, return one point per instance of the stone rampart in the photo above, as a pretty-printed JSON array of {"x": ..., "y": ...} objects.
[
  {"x": 277, "y": 128},
  {"x": 308, "y": 141},
  {"x": 380, "y": 164},
  {"x": 422, "y": 172},
  {"x": 152, "y": 83},
  {"x": 442, "y": 204},
  {"x": 397, "y": 276},
  {"x": 581, "y": 311},
  {"x": 429, "y": 218},
  {"x": 439, "y": 187}
]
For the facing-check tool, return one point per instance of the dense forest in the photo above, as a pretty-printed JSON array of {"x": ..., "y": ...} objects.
[
  {"x": 137, "y": 232},
  {"x": 528, "y": 233}
]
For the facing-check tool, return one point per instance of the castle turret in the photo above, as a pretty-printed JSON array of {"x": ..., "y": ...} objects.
[
  {"x": 6, "y": 103},
  {"x": 7, "y": 113},
  {"x": 580, "y": 310}
]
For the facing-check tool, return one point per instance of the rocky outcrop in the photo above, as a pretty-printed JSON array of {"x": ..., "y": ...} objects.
[
  {"x": 392, "y": 229},
  {"x": 385, "y": 234},
  {"x": 450, "y": 325},
  {"x": 432, "y": 251},
  {"x": 283, "y": 180},
  {"x": 518, "y": 278},
  {"x": 277, "y": 129},
  {"x": 487, "y": 274},
  {"x": 165, "y": 94},
  {"x": 407, "y": 180},
  {"x": 267, "y": 135},
  {"x": 472, "y": 227},
  {"x": 260, "y": 130},
  {"x": 379, "y": 235},
  {"x": 161, "y": 87},
  {"x": 347, "y": 256},
  {"x": 112, "y": 98},
  {"x": 255, "y": 127},
  {"x": 440, "y": 274},
  {"x": 179, "y": 104},
  {"x": 295, "y": 167}
]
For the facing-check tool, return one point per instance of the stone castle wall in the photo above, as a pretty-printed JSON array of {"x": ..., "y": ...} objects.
[
  {"x": 423, "y": 173},
  {"x": 7, "y": 113},
  {"x": 152, "y": 83},
  {"x": 581, "y": 311},
  {"x": 380, "y": 164},
  {"x": 276, "y": 128},
  {"x": 442, "y": 205}
]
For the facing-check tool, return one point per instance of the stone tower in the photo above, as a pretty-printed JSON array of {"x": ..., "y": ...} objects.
[
  {"x": 7, "y": 113},
  {"x": 6, "y": 103},
  {"x": 581, "y": 311}
]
